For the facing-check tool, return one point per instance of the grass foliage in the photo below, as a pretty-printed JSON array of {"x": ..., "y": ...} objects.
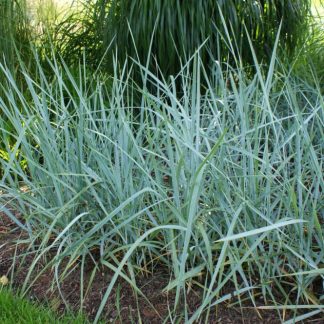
[
  {"x": 17, "y": 310},
  {"x": 15, "y": 36},
  {"x": 14, "y": 30},
  {"x": 215, "y": 174},
  {"x": 223, "y": 187},
  {"x": 70, "y": 33},
  {"x": 310, "y": 61},
  {"x": 180, "y": 27}
]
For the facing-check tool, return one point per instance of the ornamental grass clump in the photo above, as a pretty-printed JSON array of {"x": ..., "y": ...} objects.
[
  {"x": 180, "y": 27},
  {"x": 222, "y": 189}
]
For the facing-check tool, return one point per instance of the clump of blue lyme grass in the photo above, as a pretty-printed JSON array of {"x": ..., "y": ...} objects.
[{"x": 224, "y": 187}]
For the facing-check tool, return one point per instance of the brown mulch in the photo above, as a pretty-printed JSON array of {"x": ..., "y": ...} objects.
[{"x": 123, "y": 306}]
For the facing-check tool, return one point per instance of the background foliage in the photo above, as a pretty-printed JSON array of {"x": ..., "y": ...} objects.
[
  {"x": 14, "y": 30},
  {"x": 180, "y": 27}
]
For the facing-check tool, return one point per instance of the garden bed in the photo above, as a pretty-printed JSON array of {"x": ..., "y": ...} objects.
[{"x": 122, "y": 306}]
